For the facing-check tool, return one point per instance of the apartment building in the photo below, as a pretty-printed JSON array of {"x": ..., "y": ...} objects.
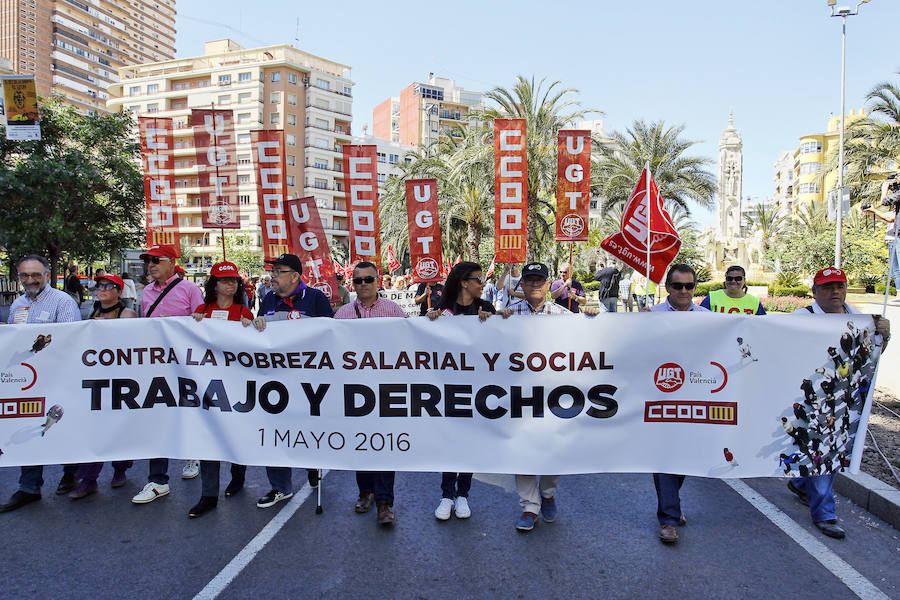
[
  {"x": 75, "y": 48},
  {"x": 783, "y": 182},
  {"x": 423, "y": 112},
  {"x": 274, "y": 87}
]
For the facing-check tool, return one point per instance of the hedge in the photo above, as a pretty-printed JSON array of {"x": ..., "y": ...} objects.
[{"x": 801, "y": 291}]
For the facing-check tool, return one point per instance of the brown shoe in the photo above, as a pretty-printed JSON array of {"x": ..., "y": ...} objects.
[
  {"x": 682, "y": 521},
  {"x": 364, "y": 502},
  {"x": 385, "y": 514},
  {"x": 668, "y": 534}
]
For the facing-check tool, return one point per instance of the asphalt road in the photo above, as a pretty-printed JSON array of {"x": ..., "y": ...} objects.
[{"x": 604, "y": 544}]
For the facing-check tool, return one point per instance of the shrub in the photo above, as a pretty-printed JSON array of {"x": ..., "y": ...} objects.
[
  {"x": 879, "y": 288},
  {"x": 786, "y": 279},
  {"x": 703, "y": 274},
  {"x": 798, "y": 290},
  {"x": 591, "y": 286},
  {"x": 703, "y": 289},
  {"x": 783, "y": 304}
]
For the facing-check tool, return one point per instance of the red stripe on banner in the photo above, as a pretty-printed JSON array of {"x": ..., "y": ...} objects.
[
  {"x": 157, "y": 160},
  {"x": 424, "y": 230},
  {"x": 271, "y": 190},
  {"x": 307, "y": 240},
  {"x": 573, "y": 185},
  {"x": 217, "y": 167},
  {"x": 361, "y": 177},
  {"x": 510, "y": 190}
]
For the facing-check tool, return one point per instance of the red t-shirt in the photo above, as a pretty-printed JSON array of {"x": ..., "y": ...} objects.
[{"x": 233, "y": 313}]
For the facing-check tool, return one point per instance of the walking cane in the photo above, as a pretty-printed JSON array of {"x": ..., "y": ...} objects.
[{"x": 319, "y": 494}]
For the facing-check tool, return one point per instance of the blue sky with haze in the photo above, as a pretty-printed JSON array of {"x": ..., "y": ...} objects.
[{"x": 776, "y": 63}]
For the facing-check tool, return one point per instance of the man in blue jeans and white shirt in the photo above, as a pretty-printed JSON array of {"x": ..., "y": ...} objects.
[{"x": 41, "y": 304}]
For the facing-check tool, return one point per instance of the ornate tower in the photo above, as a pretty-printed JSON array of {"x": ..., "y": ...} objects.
[{"x": 730, "y": 174}]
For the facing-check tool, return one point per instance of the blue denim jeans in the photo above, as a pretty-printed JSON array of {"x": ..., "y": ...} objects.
[
  {"x": 159, "y": 471},
  {"x": 91, "y": 471},
  {"x": 455, "y": 484},
  {"x": 668, "y": 507},
  {"x": 821, "y": 495},
  {"x": 380, "y": 483},
  {"x": 209, "y": 476},
  {"x": 32, "y": 478},
  {"x": 280, "y": 479}
]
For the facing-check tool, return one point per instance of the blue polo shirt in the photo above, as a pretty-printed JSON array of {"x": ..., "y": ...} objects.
[{"x": 304, "y": 301}]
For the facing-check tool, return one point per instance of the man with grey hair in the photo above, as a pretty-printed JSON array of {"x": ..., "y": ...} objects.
[{"x": 41, "y": 304}]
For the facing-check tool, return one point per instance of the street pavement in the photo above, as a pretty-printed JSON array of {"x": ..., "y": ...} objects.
[
  {"x": 889, "y": 365},
  {"x": 604, "y": 544}
]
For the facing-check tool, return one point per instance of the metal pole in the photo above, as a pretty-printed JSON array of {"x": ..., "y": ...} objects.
[
  {"x": 571, "y": 275},
  {"x": 216, "y": 143},
  {"x": 649, "y": 234},
  {"x": 840, "y": 183}
]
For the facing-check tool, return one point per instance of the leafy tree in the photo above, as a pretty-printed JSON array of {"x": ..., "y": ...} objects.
[
  {"x": 78, "y": 191},
  {"x": 237, "y": 249},
  {"x": 768, "y": 220}
]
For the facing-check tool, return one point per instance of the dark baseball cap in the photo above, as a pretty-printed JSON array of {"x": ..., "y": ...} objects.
[
  {"x": 536, "y": 268},
  {"x": 288, "y": 260}
]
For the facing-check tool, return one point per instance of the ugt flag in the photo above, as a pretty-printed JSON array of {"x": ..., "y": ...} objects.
[
  {"x": 645, "y": 217},
  {"x": 393, "y": 263}
]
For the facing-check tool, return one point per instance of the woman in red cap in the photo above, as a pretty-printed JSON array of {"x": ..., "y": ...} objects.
[
  {"x": 109, "y": 305},
  {"x": 224, "y": 299}
]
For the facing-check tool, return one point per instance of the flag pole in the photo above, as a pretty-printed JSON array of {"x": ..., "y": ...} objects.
[
  {"x": 649, "y": 230},
  {"x": 216, "y": 143},
  {"x": 571, "y": 275}
]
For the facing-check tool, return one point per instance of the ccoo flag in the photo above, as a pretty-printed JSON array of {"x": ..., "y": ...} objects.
[{"x": 644, "y": 216}]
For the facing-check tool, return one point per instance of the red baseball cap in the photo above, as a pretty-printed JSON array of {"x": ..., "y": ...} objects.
[
  {"x": 180, "y": 269},
  {"x": 829, "y": 275},
  {"x": 167, "y": 251},
  {"x": 225, "y": 269},
  {"x": 112, "y": 279}
]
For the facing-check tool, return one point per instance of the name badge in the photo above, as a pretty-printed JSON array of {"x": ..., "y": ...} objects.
[
  {"x": 219, "y": 314},
  {"x": 21, "y": 316}
]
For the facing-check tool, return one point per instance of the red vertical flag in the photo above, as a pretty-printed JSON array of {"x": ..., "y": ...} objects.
[
  {"x": 510, "y": 190},
  {"x": 267, "y": 147},
  {"x": 361, "y": 179},
  {"x": 157, "y": 159},
  {"x": 393, "y": 263},
  {"x": 217, "y": 163},
  {"x": 645, "y": 218},
  {"x": 573, "y": 185},
  {"x": 307, "y": 240},
  {"x": 424, "y": 230}
]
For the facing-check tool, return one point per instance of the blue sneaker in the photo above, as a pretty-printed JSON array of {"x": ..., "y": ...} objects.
[
  {"x": 526, "y": 521},
  {"x": 549, "y": 510}
]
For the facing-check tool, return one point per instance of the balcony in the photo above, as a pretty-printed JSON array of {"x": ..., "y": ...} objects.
[
  {"x": 331, "y": 110},
  {"x": 329, "y": 90},
  {"x": 324, "y": 168},
  {"x": 337, "y": 149}
]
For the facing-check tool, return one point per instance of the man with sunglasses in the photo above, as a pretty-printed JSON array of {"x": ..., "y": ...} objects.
[
  {"x": 42, "y": 303},
  {"x": 733, "y": 299},
  {"x": 377, "y": 486},
  {"x": 289, "y": 299},
  {"x": 680, "y": 283},
  {"x": 166, "y": 296}
]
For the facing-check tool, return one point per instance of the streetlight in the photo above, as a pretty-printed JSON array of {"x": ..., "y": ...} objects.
[{"x": 843, "y": 12}]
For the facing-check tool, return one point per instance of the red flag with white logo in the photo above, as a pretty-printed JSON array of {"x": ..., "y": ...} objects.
[
  {"x": 645, "y": 217},
  {"x": 510, "y": 190},
  {"x": 217, "y": 177},
  {"x": 393, "y": 263},
  {"x": 157, "y": 159},
  {"x": 267, "y": 147},
  {"x": 573, "y": 185},
  {"x": 425, "y": 255},
  {"x": 307, "y": 240},
  {"x": 491, "y": 268},
  {"x": 361, "y": 180}
]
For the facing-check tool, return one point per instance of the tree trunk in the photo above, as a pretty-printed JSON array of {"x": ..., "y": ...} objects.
[
  {"x": 54, "y": 264},
  {"x": 474, "y": 240},
  {"x": 532, "y": 253}
]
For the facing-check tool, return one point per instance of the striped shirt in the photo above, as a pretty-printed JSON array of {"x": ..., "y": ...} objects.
[
  {"x": 381, "y": 308},
  {"x": 50, "y": 306},
  {"x": 666, "y": 307},
  {"x": 547, "y": 308}
]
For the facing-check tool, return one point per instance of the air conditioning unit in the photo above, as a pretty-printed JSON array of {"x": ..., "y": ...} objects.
[{"x": 306, "y": 81}]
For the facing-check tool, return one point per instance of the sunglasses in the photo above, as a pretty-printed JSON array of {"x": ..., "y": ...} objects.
[
  {"x": 361, "y": 280},
  {"x": 154, "y": 259},
  {"x": 479, "y": 280},
  {"x": 734, "y": 278},
  {"x": 106, "y": 286},
  {"x": 30, "y": 275},
  {"x": 678, "y": 286}
]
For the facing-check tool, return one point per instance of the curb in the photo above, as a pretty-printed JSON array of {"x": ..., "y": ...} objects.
[{"x": 877, "y": 497}]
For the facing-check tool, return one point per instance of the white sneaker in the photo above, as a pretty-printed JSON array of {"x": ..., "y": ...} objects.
[
  {"x": 462, "y": 509},
  {"x": 151, "y": 492},
  {"x": 191, "y": 469},
  {"x": 442, "y": 512}
]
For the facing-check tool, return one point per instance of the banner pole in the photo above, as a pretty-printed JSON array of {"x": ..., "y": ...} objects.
[
  {"x": 212, "y": 106},
  {"x": 571, "y": 275},
  {"x": 649, "y": 230}
]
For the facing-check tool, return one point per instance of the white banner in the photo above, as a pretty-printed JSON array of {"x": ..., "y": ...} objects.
[
  {"x": 405, "y": 298},
  {"x": 699, "y": 394}
]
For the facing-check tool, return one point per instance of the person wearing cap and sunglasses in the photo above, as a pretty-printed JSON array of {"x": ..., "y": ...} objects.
[
  {"x": 377, "y": 486},
  {"x": 290, "y": 299},
  {"x": 166, "y": 296},
  {"x": 109, "y": 305},
  {"x": 816, "y": 491},
  {"x": 733, "y": 299},
  {"x": 680, "y": 283},
  {"x": 225, "y": 300}
]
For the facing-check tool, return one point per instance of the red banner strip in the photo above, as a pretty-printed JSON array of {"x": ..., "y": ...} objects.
[
  {"x": 510, "y": 190},
  {"x": 157, "y": 160},
  {"x": 361, "y": 177},
  {"x": 271, "y": 190},
  {"x": 217, "y": 164},
  {"x": 307, "y": 240},
  {"x": 573, "y": 185},
  {"x": 424, "y": 230}
]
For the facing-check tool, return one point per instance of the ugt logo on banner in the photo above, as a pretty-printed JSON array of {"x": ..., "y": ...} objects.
[{"x": 643, "y": 219}]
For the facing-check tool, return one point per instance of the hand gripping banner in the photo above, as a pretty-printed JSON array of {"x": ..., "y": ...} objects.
[
  {"x": 510, "y": 190},
  {"x": 217, "y": 167},
  {"x": 707, "y": 394},
  {"x": 573, "y": 185},
  {"x": 307, "y": 240},
  {"x": 271, "y": 190},
  {"x": 424, "y": 230},
  {"x": 645, "y": 217},
  {"x": 157, "y": 161},
  {"x": 361, "y": 178}
]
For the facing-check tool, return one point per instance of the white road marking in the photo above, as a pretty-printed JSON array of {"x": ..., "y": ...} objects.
[
  {"x": 850, "y": 577},
  {"x": 253, "y": 547}
]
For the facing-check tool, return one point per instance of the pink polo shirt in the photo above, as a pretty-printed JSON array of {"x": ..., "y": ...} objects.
[{"x": 179, "y": 302}]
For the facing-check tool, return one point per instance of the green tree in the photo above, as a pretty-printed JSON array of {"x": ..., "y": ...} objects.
[
  {"x": 768, "y": 220},
  {"x": 77, "y": 191},
  {"x": 237, "y": 249}
]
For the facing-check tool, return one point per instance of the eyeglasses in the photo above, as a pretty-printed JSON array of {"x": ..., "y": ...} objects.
[
  {"x": 361, "y": 280},
  {"x": 106, "y": 286},
  {"x": 30, "y": 275},
  {"x": 280, "y": 272},
  {"x": 154, "y": 259},
  {"x": 678, "y": 286},
  {"x": 533, "y": 281},
  {"x": 480, "y": 280},
  {"x": 734, "y": 278}
]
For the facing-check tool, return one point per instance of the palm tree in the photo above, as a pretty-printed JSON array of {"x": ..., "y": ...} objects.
[
  {"x": 768, "y": 220},
  {"x": 619, "y": 160},
  {"x": 812, "y": 218}
]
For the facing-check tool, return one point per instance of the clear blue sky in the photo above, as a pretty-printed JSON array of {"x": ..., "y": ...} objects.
[{"x": 776, "y": 62}]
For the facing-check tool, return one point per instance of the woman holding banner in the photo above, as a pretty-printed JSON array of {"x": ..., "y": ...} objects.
[
  {"x": 224, "y": 299},
  {"x": 462, "y": 296}
]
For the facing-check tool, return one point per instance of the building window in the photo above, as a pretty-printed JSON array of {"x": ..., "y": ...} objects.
[
  {"x": 809, "y": 168},
  {"x": 291, "y": 160},
  {"x": 243, "y": 138},
  {"x": 179, "y": 86},
  {"x": 347, "y": 90},
  {"x": 153, "y": 88},
  {"x": 274, "y": 97},
  {"x": 291, "y": 139},
  {"x": 225, "y": 99},
  {"x": 320, "y": 164},
  {"x": 276, "y": 76},
  {"x": 292, "y": 99},
  {"x": 381, "y": 157},
  {"x": 224, "y": 79},
  {"x": 244, "y": 118},
  {"x": 244, "y": 198},
  {"x": 152, "y": 108},
  {"x": 134, "y": 90},
  {"x": 808, "y": 188},
  {"x": 810, "y": 147},
  {"x": 322, "y": 84},
  {"x": 243, "y": 159},
  {"x": 394, "y": 159},
  {"x": 291, "y": 119},
  {"x": 290, "y": 180},
  {"x": 321, "y": 184},
  {"x": 243, "y": 179},
  {"x": 243, "y": 97},
  {"x": 274, "y": 118},
  {"x": 244, "y": 76},
  {"x": 292, "y": 78}
]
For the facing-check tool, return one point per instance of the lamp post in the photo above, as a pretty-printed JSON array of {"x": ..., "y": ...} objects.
[{"x": 843, "y": 12}]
